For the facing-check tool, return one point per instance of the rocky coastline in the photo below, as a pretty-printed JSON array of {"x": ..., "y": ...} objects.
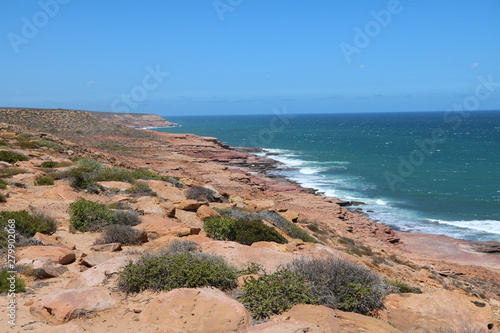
[{"x": 463, "y": 274}]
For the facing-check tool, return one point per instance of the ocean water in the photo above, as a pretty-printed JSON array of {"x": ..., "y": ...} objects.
[{"x": 433, "y": 172}]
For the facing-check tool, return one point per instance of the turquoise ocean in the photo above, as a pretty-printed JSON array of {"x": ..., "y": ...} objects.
[{"x": 432, "y": 172}]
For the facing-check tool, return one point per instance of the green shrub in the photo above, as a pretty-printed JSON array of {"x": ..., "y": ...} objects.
[
  {"x": 122, "y": 234},
  {"x": 114, "y": 174},
  {"x": 242, "y": 231},
  {"x": 26, "y": 225},
  {"x": 167, "y": 271},
  {"x": 3, "y": 197},
  {"x": 140, "y": 189},
  {"x": 11, "y": 171},
  {"x": 404, "y": 288},
  {"x": 87, "y": 215},
  {"x": 49, "y": 164},
  {"x": 200, "y": 193},
  {"x": 252, "y": 268},
  {"x": 3, "y": 184},
  {"x": 5, "y": 284},
  {"x": 88, "y": 164},
  {"x": 276, "y": 293},
  {"x": 43, "y": 180},
  {"x": 146, "y": 174},
  {"x": 81, "y": 179},
  {"x": 11, "y": 157},
  {"x": 341, "y": 284}
]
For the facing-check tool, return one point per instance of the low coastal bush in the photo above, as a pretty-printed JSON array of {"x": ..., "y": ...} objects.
[
  {"x": 182, "y": 246},
  {"x": 278, "y": 220},
  {"x": 341, "y": 284},
  {"x": 200, "y": 193},
  {"x": 26, "y": 225},
  {"x": 11, "y": 157},
  {"x": 404, "y": 288},
  {"x": 88, "y": 164},
  {"x": 81, "y": 179},
  {"x": 242, "y": 231},
  {"x": 3, "y": 184},
  {"x": 87, "y": 215},
  {"x": 141, "y": 189},
  {"x": 49, "y": 164},
  {"x": 11, "y": 171},
  {"x": 276, "y": 293},
  {"x": 167, "y": 271},
  {"x": 3, "y": 197},
  {"x": 5, "y": 282},
  {"x": 43, "y": 180},
  {"x": 126, "y": 217},
  {"x": 122, "y": 234}
]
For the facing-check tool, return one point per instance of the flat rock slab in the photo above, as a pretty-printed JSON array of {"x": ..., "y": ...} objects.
[
  {"x": 98, "y": 274},
  {"x": 60, "y": 255},
  {"x": 60, "y": 307},
  {"x": 439, "y": 309},
  {"x": 242, "y": 255},
  {"x": 201, "y": 310}
]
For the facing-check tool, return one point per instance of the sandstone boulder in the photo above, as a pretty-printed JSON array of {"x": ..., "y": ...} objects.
[
  {"x": 205, "y": 212},
  {"x": 439, "y": 309},
  {"x": 47, "y": 267},
  {"x": 60, "y": 307},
  {"x": 351, "y": 322},
  {"x": 290, "y": 216},
  {"x": 60, "y": 255},
  {"x": 287, "y": 326},
  {"x": 93, "y": 259},
  {"x": 242, "y": 255},
  {"x": 53, "y": 240},
  {"x": 189, "y": 218},
  {"x": 111, "y": 247},
  {"x": 202, "y": 310},
  {"x": 98, "y": 274},
  {"x": 260, "y": 205},
  {"x": 316, "y": 315},
  {"x": 158, "y": 226}
]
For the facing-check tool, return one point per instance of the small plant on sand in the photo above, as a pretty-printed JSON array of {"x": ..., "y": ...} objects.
[
  {"x": 43, "y": 181},
  {"x": 403, "y": 288},
  {"x": 12, "y": 171},
  {"x": 126, "y": 217},
  {"x": 166, "y": 271},
  {"x": 3, "y": 184},
  {"x": 11, "y": 157},
  {"x": 6, "y": 284},
  {"x": 242, "y": 231},
  {"x": 339, "y": 283},
  {"x": 276, "y": 293},
  {"x": 122, "y": 234},
  {"x": 87, "y": 215},
  {"x": 49, "y": 164},
  {"x": 27, "y": 225}
]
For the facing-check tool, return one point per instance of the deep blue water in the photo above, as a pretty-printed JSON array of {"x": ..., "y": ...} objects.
[{"x": 421, "y": 172}]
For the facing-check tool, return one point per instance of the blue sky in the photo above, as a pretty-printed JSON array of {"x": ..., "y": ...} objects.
[{"x": 185, "y": 57}]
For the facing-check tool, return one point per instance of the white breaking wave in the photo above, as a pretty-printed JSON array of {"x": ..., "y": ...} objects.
[{"x": 491, "y": 226}]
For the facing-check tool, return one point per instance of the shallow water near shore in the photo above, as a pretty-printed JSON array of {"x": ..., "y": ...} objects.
[{"x": 433, "y": 172}]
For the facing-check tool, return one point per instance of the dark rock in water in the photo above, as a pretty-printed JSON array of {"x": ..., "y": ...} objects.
[
  {"x": 357, "y": 203},
  {"x": 486, "y": 247}
]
